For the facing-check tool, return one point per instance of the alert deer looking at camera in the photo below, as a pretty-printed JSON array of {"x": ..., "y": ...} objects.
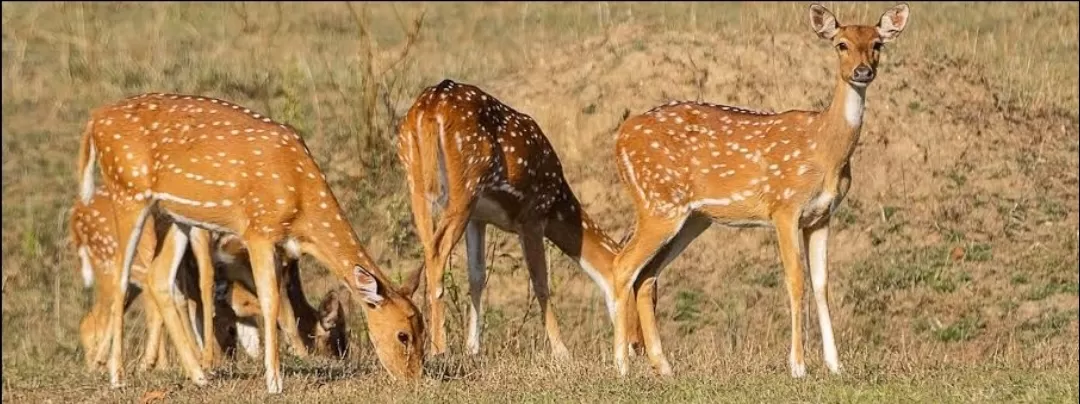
[
  {"x": 473, "y": 161},
  {"x": 210, "y": 164},
  {"x": 688, "y": 165},
  {"x": 309, "y": 331}
]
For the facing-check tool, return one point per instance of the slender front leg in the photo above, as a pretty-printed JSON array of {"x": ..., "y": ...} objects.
[
  {"x": 532, "y": 244},
  {"x": 266, "y": 288},
  {"x": 474, "y": 247},
  {"x": 200, "y": 248},
  {"x": 817, "y": 245},
  {"x": 650, "y": 235},
  {"x": 792, "y": 257}
]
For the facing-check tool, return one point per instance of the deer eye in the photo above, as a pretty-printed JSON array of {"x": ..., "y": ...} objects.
[
  {"x": 842, "y": 46},
  {"x": 403, "y": 337}
]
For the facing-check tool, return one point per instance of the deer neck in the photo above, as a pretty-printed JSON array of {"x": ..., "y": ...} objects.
[
  {"x": 327, "y": 236},
  {"x": 841, "y": 124},
  {"x": 575, "y": 234}
]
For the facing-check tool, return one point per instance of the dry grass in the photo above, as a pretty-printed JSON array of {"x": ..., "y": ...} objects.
[{"x": 970, "y": 142}]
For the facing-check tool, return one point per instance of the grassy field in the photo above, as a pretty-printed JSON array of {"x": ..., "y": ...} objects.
[{"x": 954, "y": 270}]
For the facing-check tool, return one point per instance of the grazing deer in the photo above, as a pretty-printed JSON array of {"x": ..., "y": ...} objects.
[
  {"x": 473, "y": 161},
  {"x": 690, "y": 164},
  {"x": 209, "y": 164},
  {"x": 93, "y": 237},
  {"x": 310, "y": 330}
]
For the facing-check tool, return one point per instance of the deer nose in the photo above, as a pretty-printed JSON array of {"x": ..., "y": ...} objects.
[{"x": 863, "y": 74}]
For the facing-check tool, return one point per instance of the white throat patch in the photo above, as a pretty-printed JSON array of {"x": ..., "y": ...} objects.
[{"x": 853, "y": 105}]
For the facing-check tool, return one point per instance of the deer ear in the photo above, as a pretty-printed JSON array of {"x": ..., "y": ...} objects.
[
  {"x": 893, "y": 22},
  {"x": 368, "y": 287},
  {"x": 412, "y": 282},
  {"x": 823, "y": 22},
  {"x": 332, "y": 308}
]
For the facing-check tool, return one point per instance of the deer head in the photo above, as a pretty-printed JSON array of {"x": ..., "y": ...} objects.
[{"x": 858, "y": 46}]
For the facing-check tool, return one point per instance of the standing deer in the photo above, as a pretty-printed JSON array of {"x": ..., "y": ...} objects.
[
  {"x": 690, "y": 164},
  {"x": 95, "y": 240},
  {"x": 210, "y": 164},
  {"x": 474, "y": 161}
]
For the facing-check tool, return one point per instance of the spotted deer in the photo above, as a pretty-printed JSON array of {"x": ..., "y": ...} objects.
[
  {"x": 210, "y": 164},
  {"x": 309, "y": 330},
  {"x": 688, "y": 165},
  {"x": 96, "y": 241},
  {"x": 473, "y": 162}
]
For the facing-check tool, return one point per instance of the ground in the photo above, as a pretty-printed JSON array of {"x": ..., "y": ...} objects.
[{"x": 953, "y": 268}]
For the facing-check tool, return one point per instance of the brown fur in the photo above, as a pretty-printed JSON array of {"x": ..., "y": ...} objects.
[
  {"x": 688, "y": 165},
  {"x": 91, "y": 228},
  {"x": 219, "y": 166},
  {"x": 481, "y": 162}
]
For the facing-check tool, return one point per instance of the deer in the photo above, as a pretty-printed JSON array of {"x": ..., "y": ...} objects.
[
  {"x": 473, "y": 161},
  {"x": 93, "y": 237},
  {"x": 206, "y": 163},
  {"x": 309, "y": 330},
  {"x": 690, "y": 164}
]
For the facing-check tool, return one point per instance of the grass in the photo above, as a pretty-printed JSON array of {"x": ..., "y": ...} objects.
[{"x": 953, "y": 263}]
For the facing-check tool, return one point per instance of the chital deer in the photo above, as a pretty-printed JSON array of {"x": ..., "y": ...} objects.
[
  {"x": 93, "y": 237},
  {"x": 210, "y": 164},
  {"x": 690, "y": 164},
  {"x": 310, "y": 330},
  {"x": 473, "y": 161}
]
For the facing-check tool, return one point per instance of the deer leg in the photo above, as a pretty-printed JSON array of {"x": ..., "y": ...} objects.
[
  {"x": 200, "y": 248},
  {"x": 162, "y": 361},
  {"x": 474, "y": 246},
  {"x": 792, "y": 257},
  {"x": 94, "y": 328},
  {"x": 288, "y": 320},
  {"x": 154, "y": 324},
  {"x": 261, "y": 253},
  {"x": 421, "y": 210},
  {"x": 129, "y": 222},
  {"x": 308, "y": 320},
  {"x": 181, "y": 291},
  {"x": 449, "y": 231},
  {"x": 532, "y": 244},
  {"x": 646, "y": 289},
  {"x": 817, "y": 244},
  {"x": 163, "y": 274},
  {"x": 650, "y": 235}
]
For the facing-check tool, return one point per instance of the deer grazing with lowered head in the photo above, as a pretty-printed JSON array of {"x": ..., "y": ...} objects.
[
  {"x": 688, "y": 165},
  {"x": 210, "y": 164},
  {"x": 473, "y": 161},
  {"x": 91, "y": 231}
]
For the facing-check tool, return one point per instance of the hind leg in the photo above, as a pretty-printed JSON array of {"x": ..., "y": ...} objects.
[
  {"x": 474, "y": 245},
  {"x": 154, "y": 325},
  {"x": 162, "y": 280},
  {"x": 129, "y": 219}
]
